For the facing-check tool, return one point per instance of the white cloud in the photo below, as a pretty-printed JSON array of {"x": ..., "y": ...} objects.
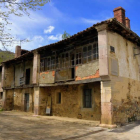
[
  {"x": 28, "y": 27},
  {"x": 90, "y": 21},
  {"x": 38, "y": 38},
  {"x": 24, "y": 25},
  {"x": 34, "y": 27},
  {"x": 56, "y": 37},
  {"x": 49, "y": 29}
]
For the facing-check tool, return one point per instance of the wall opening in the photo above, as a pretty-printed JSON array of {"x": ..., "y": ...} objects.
[
  {"x": 87, "y": 98},
  {"x": 26, "y": 102},
  {"x": 1, "y": 95},
  {"x": 27, "y": 76},
  {"x": 58, "y": 98}
]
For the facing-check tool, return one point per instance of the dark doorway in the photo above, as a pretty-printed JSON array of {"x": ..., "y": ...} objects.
[
  {"x": 27, "y": 76},
  {"x": 1, "y": 95},
  {"x": 26, "y": 102},
  {"x": 73, "y": 69}
]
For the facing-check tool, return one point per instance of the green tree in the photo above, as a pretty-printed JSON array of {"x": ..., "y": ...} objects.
[
  {"x": 65, "y": 35},
  {"x": 18, "y": 8}
]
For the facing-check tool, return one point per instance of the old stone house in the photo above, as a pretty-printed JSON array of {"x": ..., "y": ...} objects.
[{"x": 94, "y": 75}]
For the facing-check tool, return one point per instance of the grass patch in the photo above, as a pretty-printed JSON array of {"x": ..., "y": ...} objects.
[
  {"x": 1, "y": 110},
  {"x": 6, "y": 55}
]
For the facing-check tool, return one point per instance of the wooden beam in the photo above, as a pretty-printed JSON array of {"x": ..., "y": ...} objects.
[{"x": 72, "y": 82}]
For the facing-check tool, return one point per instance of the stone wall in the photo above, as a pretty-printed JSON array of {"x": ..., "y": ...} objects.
[
  {"x": 125, "y": 79},
  {"x": 20, "y": 72},
  {"x": 19, "y": 99},
  {"x": 126, "y": 100},
  {"x": 8, "y": 100},
  {"x": 72, "y": 101},
  {"x": 9, "y": 76}
]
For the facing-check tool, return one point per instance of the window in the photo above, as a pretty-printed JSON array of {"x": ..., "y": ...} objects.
[
  {"x": 72, "y": 60},
  {"x": 70, "y": 57},
  {"x": 58, "y": 98},
  {"x": 47, "y": 63},
  {"x": 87, "y": 98},
  {"x": 1, "y": 95},
  {"x": 27, "y": 76},
  {"x": 90, "y": 53},
  {"x": 52, "y": 63},
  {"x": 112, "y": 49},
  {"x": 78, "y": 56},
  {"x": 42, "y": 65},
  {"x": 58, "y": 60},
  {"x": 95, "y": 51},
  {"x": 85, "y": 55},
  {"x": 66, "y": 62}
]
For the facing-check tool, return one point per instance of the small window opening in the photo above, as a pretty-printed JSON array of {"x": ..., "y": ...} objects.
[
  {"x": 112, "y": 49},
  {"x": 87, "y": 98},
  {"x": 27, "y": 76},
  {"x": 1, "y": 95},
  {"x": 58, "y": 98}
]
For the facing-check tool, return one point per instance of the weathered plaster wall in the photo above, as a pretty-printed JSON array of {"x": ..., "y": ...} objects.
[
  {"x": 9, "y": 76},
  {"x": 125, "y": 83},
  {"x": 63, "y": 75},
  {"x": 19, "y": 99},
  {"x": 20, "y": 72},
  {"x": 128, "y": 65},
  {"x": 72, "y": 101},
  {"x": 87, "y": 71},
  {"x": 82, "y": 72},
  {"x": 8, "y": 100},
  {"x": 47, "y": 77}
]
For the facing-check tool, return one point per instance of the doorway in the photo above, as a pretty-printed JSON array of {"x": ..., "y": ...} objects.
[
  {"x": 27, "y": 76},
  {"x": 72, "y": 64},
  {"x": 26, "y": 102}
]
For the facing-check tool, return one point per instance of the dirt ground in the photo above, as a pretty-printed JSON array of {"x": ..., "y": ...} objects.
[{"x": 24, "y": 126}]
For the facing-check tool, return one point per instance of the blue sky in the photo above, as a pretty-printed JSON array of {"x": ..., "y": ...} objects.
[{"x": 47, "y": 26}]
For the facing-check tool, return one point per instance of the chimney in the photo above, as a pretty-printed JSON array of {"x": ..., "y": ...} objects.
[
  {"x": 127, "y": 21},
  {"x": 119, "y": 14},
  {"x": 17, "y": 51}
]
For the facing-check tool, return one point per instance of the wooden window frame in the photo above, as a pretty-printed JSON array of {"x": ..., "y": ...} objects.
[
  {"x": 85, "y": 99},
  {"x": 63, "y": 62}
]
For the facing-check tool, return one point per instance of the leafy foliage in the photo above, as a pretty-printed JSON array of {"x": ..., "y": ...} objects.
[
  {"x": 65, "y": 35},
  {"x": 18, "y": 8}
]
